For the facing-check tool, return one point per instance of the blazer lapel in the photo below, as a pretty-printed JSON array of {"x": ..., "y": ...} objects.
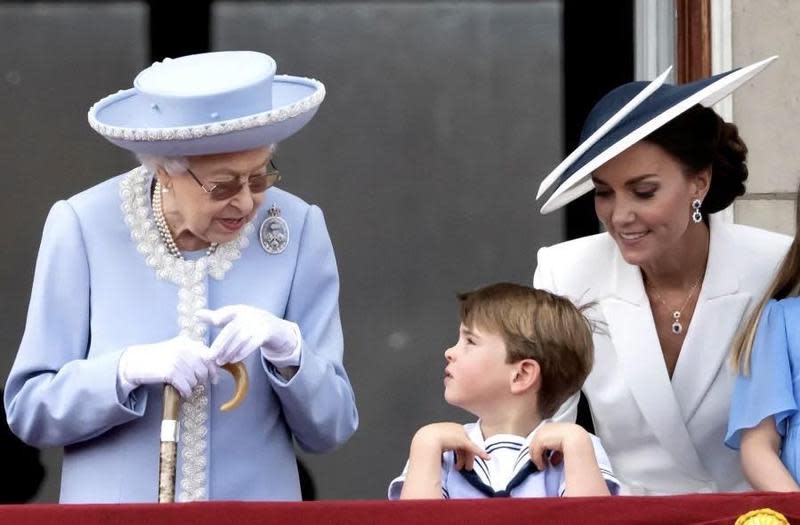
[
  {"x": 720, "y": 310},
  {"x": 635, "y": 340}
]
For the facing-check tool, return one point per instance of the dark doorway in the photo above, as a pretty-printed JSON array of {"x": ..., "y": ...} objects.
[{"x": 598, "y": 56}]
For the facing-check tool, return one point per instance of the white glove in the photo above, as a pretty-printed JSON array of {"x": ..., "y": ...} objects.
[
  {"x": 181, "y": 362},
  {"x": 246, "y": 329}
]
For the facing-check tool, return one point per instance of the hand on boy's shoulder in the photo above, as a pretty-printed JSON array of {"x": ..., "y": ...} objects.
[
  {"x": 438, "y": 438},
  {"x": 561, "y": 439}
]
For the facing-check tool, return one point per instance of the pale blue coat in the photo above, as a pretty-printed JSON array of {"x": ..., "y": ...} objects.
[{"x": 93, "y": 296}]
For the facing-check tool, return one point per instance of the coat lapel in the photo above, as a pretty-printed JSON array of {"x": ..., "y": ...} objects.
[
  {"x": 720, "y": 310},
  {"x": 635, "y": 340}
]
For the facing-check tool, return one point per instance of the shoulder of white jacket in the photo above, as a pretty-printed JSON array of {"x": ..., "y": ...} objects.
[
  {"x": 576, "y": 267},
  {"x": 764, "y": 242},
  {"x": 754, "y": 254},
  {"x": 583, "y": 246},
  {"x": 577, "y": 256}
]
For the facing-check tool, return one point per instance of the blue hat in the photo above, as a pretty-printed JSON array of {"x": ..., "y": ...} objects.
[
  {"x": 207, "y": 103},
  {"x": 627, "y": 115}
]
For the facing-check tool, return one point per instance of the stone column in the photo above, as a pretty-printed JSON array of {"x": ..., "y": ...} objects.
[{"x": 767, "y": 110}]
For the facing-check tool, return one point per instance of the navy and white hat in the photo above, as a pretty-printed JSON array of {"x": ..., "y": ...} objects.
[
  {"x": 207, "y": 103},
  {"x": 628, "y": 114}
]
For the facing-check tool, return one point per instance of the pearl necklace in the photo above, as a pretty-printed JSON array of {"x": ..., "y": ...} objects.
[{"x": 163, "y": 228}]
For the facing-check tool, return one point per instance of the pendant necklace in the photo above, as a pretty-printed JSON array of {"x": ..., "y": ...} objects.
[{"x": 677, "y": 327}]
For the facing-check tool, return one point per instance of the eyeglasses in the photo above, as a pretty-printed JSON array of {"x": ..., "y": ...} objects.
[{"x": 257, "y": 183}]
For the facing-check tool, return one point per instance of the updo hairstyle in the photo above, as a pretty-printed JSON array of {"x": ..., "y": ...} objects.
[{"x": 699, "y": 139}]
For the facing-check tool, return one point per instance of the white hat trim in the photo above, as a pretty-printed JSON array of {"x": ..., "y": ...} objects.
[
  {"x": 707, "y": 96},
  {"x": 257, "y": 120},
  {"x": 602, "y": 130}
]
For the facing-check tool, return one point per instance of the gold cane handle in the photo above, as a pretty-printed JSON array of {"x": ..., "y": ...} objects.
[
  {"x": 168, "y": 454},
  {"x": 239, "y": 373}
]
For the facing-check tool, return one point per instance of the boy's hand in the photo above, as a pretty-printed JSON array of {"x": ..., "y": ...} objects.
[
  {"x": 424, "y": 478},
  {"x": 438, "y": 438},
  {"x": 560, "y": 439},
  {"x": 573, "y": 445}
]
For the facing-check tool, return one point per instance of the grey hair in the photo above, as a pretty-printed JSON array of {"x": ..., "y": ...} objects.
[{"x": 172, "y": 164}]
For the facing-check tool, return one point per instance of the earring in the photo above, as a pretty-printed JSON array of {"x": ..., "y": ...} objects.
[
  {"x": 164, "y": 189},
  {"x": 696, "y": 215}
]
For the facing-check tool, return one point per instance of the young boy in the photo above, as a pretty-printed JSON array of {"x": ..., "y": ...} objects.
[{"x": 520, "y": 354}]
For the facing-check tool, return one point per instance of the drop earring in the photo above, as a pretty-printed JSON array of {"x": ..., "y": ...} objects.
[{"x": 697, "y": 217}]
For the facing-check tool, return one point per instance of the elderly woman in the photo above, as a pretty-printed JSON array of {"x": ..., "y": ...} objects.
[
  {"x": 159, "y": 276},
  {"x": 670, "y": 280}
]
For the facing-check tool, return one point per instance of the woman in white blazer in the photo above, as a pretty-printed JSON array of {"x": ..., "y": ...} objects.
[{"x": 670, "y": 282}]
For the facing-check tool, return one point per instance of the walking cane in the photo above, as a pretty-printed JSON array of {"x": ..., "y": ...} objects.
[{"x": 168, "y": 454}]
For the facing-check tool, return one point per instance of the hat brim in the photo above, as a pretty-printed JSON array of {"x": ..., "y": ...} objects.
[
  {"x": 600, "y": 152},
  {"x": 601, "y": 132},
  {"x": 295, "y": 101}
]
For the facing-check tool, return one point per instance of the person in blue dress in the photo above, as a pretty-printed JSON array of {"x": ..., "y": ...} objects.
[
  {"x": 764, "y": 423},
  {"x": 164, "y": 274}
]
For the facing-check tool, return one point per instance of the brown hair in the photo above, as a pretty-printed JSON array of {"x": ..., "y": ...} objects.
[
  {"x": 785, "y": 284},
  {"x": 700, "y": 139},
  {"x": 537, "y": 325}
]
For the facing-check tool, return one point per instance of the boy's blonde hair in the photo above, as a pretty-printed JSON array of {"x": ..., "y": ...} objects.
[{"x": 537, "y": 325}]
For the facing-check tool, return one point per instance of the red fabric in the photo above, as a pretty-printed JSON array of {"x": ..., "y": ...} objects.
[{"x": 696, "y": 509}]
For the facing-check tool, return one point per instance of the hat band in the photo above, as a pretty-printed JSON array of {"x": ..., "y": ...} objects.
[{"x": 174, "y": 111}]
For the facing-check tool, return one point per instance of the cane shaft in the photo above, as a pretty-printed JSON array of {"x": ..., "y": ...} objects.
[
  {"x": 166, "y": 474},
  {"x": 168, "y": 454}
]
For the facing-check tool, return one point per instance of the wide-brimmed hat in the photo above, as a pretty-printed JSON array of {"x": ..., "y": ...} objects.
[
  {"x": 207, "y": 103},
  {"x": 628, "y": 114}
]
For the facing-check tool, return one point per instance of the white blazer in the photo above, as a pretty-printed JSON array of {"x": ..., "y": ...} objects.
[{"x": 663, "y": 436}]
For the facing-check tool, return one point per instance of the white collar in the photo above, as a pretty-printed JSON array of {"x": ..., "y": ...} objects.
[
  {"x": 510, "y": 453},
  {"x": 138, "y": 214}
]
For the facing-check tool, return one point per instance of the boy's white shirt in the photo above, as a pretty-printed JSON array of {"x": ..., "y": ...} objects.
[{"x": 510, "y": 454}]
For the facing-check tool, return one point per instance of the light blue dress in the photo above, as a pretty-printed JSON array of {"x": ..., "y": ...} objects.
[
  {"x": 93, "y": 296},
  {"x": 773, "y": 386}
]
